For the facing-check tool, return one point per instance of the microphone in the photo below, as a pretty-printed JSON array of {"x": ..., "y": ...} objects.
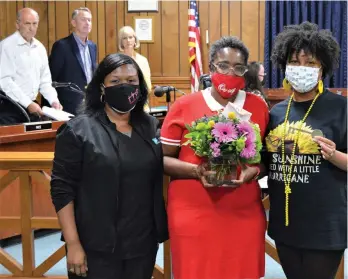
[
  {"x": 161, "y": 90},
  {"x": 70, "y": 85},
  {"x": 205, "y": 80},
  {"x": 61, "y": 84}
]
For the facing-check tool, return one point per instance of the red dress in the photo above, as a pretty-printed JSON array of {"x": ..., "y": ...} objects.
[{"x": 215, "y": 233}]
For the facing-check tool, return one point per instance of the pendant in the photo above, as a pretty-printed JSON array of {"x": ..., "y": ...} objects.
[{"x": 317, "y": 133}]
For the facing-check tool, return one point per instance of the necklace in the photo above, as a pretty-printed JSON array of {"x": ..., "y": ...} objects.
[{"x": 287, "y": 178}]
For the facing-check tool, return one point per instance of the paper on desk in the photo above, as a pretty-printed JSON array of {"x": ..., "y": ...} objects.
[
  {"x": 241, "y": 113},
  {"x": 263, "y": 182},
  {"x": 57, "y": 114}
]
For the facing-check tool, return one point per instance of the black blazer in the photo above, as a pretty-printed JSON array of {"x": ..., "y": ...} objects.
[
  {"x": 86, "y": 170},
  {"x": 66, "y": 66}
]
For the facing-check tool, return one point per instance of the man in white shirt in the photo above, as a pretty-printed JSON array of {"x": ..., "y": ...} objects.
[{"x": 24, "y": 70}]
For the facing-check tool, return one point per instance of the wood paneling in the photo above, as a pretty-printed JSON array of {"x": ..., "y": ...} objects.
[
  {"x": 111, "y": 28},
  {"x": 14, "y": 138},
  {"x": 214, "y": 21},
  {"x": 155, "y": 49},
  {"x": 62, "y": 19},
  {"x": 168, "y": 55},
  {"x": 101, "y": 29},
  {"x": 224, "y": 18},
  {"x": 11, "y": 15},
  {"x": 204, "y": 24},
  {"x": 92, "y": 5},
  {"x": 250, "y": 30},
  {"x": 262, "y": 11},
  {"x": 170, "y": 38},
  {"x": 183, "y": 38},
  {"x": 51, "y": 24},
  {"x": 235, "y": 18}
]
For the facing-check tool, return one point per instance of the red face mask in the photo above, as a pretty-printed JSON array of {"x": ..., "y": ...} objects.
[{"x": 227, "y": 85}]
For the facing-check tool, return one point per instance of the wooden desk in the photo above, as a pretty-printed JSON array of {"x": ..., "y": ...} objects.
[{"x": 14, "y": 138}]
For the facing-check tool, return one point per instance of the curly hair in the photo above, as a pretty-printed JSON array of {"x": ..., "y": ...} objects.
[
  {"x": 307, "y": 37},
  {"x": 227, "y": 41},
  {"x": 111, "y": 62}
]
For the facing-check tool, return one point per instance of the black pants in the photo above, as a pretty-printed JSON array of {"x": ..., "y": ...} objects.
[
  {"x": 108, "y": 266},
  {"x": 309, "y": 264}
]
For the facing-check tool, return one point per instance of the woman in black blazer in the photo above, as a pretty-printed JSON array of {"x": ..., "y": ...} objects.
[{"x": 107, "y": 178}]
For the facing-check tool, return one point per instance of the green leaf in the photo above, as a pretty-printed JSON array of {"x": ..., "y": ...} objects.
[{"x": 186, "y": 143}]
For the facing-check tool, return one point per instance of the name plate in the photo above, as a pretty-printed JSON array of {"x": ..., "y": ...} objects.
[
  {"x": 37, "y": 126},
  {"x": 158, "y": 113}
]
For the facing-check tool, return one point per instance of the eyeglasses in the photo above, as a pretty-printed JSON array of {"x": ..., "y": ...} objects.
[{"x": 226, "y": 69}]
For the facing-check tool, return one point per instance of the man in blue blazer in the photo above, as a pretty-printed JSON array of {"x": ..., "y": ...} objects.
[{"x": 74, "y": 59}]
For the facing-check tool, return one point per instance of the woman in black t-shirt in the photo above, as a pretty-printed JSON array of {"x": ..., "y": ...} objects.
[
  {"x": 307, "y": 157},
  {"x": 107, "y": 178}
]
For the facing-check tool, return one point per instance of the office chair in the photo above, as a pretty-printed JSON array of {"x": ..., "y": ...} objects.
[
  {"x": 15, "y": 105},
  {"x": 205, "y": 81}
]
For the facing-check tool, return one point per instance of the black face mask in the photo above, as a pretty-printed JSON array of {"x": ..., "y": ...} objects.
[
  {"x": 263, "y": 82},
  {"x": 122, "y": 98}
]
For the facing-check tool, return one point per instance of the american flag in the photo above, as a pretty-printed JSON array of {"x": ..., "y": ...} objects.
[{"x": 194, "y": 44}]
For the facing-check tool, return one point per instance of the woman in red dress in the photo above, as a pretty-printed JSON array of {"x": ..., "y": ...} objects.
[{"x": 215, "y": 232}]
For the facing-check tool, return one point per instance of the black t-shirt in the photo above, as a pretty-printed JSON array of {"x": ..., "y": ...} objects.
[
  {"x": 135, "y": 224},
  {"x": 318, "y": 201}
]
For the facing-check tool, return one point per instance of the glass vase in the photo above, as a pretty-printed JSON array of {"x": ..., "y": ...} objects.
[{"x": 225, "y": 168}]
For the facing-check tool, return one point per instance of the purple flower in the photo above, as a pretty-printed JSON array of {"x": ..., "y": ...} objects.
[
  {"x": 224, "y": 132},
  {"x": 246, "y": 129},
  {"x": 249, "y": 150},
  {"x": 215, "y": 147},
  {"x": 216, "y": 153}
]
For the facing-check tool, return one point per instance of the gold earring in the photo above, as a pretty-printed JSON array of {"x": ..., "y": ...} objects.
[
  {"x": 102, "y": 98},
  {"x": 320, "y": 87},
  {"x": 286, "y": 84}
]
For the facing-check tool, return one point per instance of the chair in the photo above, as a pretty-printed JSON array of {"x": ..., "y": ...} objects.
[
  {"x": 15, "y": 105},
  {"x": 205, "y": 81}
]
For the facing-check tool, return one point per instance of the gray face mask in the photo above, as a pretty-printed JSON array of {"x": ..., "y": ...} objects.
[{"x": 303, "y": 79}]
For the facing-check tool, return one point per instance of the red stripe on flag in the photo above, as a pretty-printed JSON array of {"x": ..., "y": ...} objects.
[{"x": 194, "y": 42}]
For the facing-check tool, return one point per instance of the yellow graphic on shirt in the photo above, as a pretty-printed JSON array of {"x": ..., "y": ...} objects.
[{"x": 305, "y": 144}]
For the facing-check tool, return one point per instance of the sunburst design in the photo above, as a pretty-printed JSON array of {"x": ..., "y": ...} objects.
[{"x": 305, "y": 144}]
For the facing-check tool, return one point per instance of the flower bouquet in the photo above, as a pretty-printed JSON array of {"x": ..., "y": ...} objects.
[{"x": 224, "y": 141}]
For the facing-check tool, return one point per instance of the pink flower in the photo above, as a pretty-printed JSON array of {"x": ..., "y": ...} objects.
[
  {"x": 216, "y": 153},
  {"x": 214, "y": 145},
  {"x": 249, "y": 150},
  {"x": 246, "y": 129},
  {"x": 216, "y": 150},
  {"x": 224, "y": 132}
]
